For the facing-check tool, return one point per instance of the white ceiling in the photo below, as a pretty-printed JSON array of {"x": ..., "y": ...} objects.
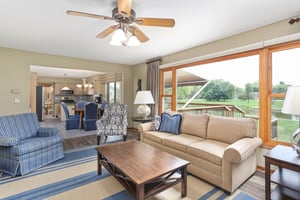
[{"x": 43, "y": 25}]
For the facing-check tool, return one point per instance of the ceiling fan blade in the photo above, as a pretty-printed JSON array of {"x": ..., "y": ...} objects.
[
  {"x": 165, "y": 22},
  {"x": 139, "y": 34},
  {"x": 107, "y": 31},
  {"x": 83, "y": 14},
  {"x": 124, "y": 6}
]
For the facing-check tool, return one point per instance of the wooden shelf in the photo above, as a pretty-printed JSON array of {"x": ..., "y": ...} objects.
[
  {"x": 287, "y": 178},
  {"x": 282, "y": 193},
  {"x": 287, "y": 175}
]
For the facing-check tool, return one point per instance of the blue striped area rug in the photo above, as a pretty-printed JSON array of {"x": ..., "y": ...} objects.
[{"x": 75, "y": 177}]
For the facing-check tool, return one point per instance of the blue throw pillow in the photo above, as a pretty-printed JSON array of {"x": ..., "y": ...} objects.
[{"x": 170, "y": 123}]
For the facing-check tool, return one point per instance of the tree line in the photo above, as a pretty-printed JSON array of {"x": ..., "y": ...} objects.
[{"x": 220, "y": 90}]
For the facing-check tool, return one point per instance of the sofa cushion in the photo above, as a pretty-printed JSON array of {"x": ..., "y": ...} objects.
[
  {"x": 229, "y": 129},
  {"x": 35, "y": 144},
  {"x": 181, "y": 141},
  {"x": 156, "y": 122},
  {"x": 157, "y": 136},
  {"x": 209, "y": 150},
  {"x": 9, "y": 141},
  {"x": 28, "y": 124},
  {"x": 170, "y": 123},
  {"x": 194, "y": 124},
  {"x": 9, "y": 127}
]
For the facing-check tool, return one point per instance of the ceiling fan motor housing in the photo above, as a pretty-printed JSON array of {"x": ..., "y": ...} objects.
[{"x": 123, "y": 17}]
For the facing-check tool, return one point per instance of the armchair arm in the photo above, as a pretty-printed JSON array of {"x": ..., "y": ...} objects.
[
  {"x": 9, "y": 141},
  {"x": 241, "y": 149},
  {"x": 149, "y": 126},
  {"x": 46, "y": 132}
]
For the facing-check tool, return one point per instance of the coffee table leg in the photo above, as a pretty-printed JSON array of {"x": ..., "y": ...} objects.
[
  {"x": 140, "y": 192},
  {"x": 99, "y": 166},
  {"x": 183, "y": 181}
]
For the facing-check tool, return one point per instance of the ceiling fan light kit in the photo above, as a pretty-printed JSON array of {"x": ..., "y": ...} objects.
[
  {"x": 125, "y": 34},
  {"x": 119, "y": 38}
]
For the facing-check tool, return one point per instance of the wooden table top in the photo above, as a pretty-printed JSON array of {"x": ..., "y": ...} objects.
[
  {"x": 139, "y": 161},
  {"x": 285, "y": 154}
]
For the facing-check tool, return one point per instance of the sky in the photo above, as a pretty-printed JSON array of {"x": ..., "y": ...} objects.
[{"x": 286, "y": 68}]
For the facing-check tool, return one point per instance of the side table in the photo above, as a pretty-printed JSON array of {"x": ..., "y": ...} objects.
[
  {"x": 287, "y": 176},
  {"x": 142, "y": 119}
]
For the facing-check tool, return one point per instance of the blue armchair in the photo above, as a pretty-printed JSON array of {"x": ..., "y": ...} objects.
[
  {"x": 90, "y": 116},
  {"x": 113, "y": 122},
  {"x": 25, "y": 146},
  {"x": 72, "y": 121}
]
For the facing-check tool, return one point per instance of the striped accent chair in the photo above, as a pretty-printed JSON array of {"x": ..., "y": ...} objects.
[{"x": 25, "y": 146}]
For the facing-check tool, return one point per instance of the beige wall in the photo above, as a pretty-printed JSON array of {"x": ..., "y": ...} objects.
[{"x": 15, "y": 74}]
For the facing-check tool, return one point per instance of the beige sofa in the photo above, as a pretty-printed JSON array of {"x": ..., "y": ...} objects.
[{"x": 221, "y": 150}]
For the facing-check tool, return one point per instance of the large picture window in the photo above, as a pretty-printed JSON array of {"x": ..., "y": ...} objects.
[
  {"x": 250, "y": 84},
  {"x": 285, "y": 72}
]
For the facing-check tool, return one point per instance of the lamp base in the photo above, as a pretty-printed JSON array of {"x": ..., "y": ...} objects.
[
  {"x": 143, "y": 110},
  {"x": 295, "y": 141}
]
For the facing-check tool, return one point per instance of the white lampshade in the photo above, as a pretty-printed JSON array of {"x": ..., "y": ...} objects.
[
  {"x": 118, "y": 38},
  {"x": 291, "y": 106},
  {"x": 144, "y": 97},
  {"x": 133, "y": 41},
  {"x": 291, "y": 103},
  {"x": 79, "y": 85},
  {"x": 65, "y": 88}
]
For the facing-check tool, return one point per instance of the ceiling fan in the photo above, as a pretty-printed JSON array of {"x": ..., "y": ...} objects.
[{"x": 125, "y": 17}]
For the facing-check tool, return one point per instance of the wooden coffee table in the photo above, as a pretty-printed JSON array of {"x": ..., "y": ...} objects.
[{"x": 143, "y": 170}]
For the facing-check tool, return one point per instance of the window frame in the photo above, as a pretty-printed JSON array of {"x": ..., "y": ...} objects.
[{"x": 265, "y": 85}]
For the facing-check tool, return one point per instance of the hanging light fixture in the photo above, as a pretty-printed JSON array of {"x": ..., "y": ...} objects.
[
  {"x": 65, "y": 87},
  {"x": 118, "y": 38},
  {"x": 123, "y": 37},
  {"x": 84, "y": 84},
  {"x": 133, "y": 41}
]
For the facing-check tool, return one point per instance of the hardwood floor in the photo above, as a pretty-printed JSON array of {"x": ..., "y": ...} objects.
[{"x": 79, "y": 142}]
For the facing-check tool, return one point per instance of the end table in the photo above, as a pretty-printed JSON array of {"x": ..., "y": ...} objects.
[
  {"x": 287, "y": 176},
  {"x": 142, "y": 119}
]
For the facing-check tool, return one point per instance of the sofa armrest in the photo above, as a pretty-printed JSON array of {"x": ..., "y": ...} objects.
[
  {"x": 46, "y": 132},
  {"x": 149, "y": 126},
  {"x": 241, "y": 149},
  {"x": 9, "y": 141}
]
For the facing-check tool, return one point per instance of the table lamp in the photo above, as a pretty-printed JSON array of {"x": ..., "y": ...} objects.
[
  {"x": 291, "y": 106},
  {"x": 143, "y": 98}
]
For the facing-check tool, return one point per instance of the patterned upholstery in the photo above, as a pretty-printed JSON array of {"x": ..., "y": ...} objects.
[
  {"x": 113, "y": 122},
  {"x": 72, "y": 121},
  {"x": 25, "y": 146},
  {"x": 90, "y": 116}
]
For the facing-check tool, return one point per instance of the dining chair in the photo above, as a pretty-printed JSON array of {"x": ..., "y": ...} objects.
[
  {"x": 90, "y": 116},
  {"x": 80, "y": 104},
  {"x": 72, "y": 121},
  {"x": 113, "y": 122}
]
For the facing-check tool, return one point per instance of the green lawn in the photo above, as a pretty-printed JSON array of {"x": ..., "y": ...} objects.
[{"x": 285, "y": 127}]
